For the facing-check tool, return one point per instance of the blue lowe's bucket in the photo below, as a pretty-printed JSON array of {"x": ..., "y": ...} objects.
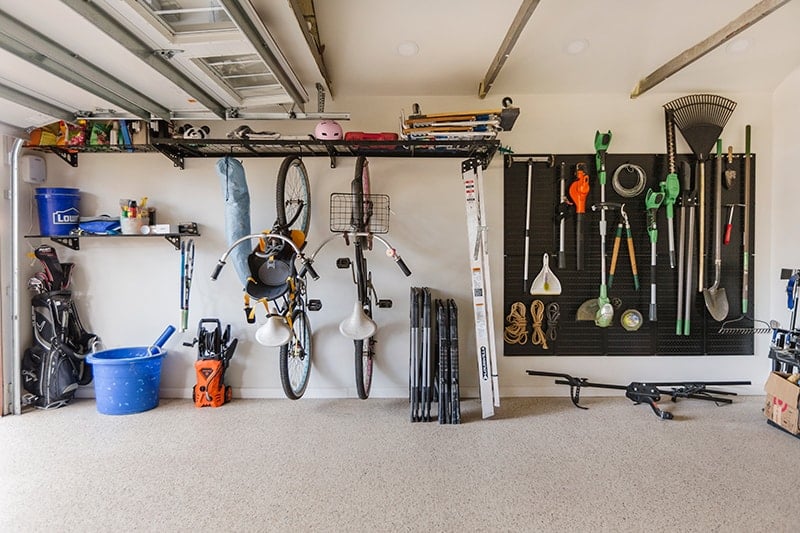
[
  {"x": 126, "y": 380},
  {"x": 59, "y": 211}
]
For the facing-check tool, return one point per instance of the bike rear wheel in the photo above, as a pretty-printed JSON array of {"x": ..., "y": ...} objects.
[
  {"x": 293, "y": 195},
  {"x": 295, "y": 357},
  {"x": 364, "y": 348}
]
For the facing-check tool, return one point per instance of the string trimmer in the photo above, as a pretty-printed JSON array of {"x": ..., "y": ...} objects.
[{"x": 605, "y": 312}]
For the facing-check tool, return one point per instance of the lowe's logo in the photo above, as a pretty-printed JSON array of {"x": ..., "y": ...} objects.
[{"x": 67, "y": 216}]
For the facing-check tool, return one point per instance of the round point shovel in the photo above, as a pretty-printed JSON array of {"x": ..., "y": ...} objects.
[{"x": 715, "y": 296}]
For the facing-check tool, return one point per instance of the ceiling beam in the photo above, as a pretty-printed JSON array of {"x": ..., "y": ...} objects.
[
  {"x": 690, "y": 55},
  {"x": 306, "y": 17},
  {"x": 37, "y": 49},
  {"x": 249, "y": 23},
  {"x": 31, "y": 102},
  {"x": 157, "y": 61},
  {"x": 517, "y": 25}
]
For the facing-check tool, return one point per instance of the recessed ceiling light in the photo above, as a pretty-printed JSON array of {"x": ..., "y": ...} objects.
[
  {"x": 738, "y": 46},
  {"x": 576, "y": 47},
  {"x": 408, "y": 48}
]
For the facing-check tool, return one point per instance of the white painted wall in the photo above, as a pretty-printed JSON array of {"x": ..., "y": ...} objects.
[{"x": 128, "y": 289}]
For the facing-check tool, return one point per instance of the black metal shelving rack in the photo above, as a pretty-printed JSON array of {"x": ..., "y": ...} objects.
[{"x": 178, "y": 150}]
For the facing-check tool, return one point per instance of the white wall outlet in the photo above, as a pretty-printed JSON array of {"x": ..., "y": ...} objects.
[{"x": 32, "y": 169}]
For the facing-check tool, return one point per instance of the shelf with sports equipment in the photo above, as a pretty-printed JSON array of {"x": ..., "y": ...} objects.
[{"x": 179, "y": 149}]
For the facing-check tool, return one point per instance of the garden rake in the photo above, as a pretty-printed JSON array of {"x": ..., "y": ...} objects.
[{"x": 700, "y": 119}]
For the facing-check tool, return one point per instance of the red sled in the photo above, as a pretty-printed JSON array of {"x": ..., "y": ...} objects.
[{"x": 352, "y": 136}]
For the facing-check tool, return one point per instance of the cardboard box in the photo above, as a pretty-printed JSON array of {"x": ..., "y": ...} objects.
[{"x": 782, "y": 402}]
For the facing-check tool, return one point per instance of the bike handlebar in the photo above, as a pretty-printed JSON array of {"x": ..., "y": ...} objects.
[
  {"x": 390, "y": 251},
  {"x": 303, "y": 259}
]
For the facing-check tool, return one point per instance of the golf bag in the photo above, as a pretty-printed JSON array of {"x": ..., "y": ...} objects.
[
  {"x": 54, "y": 367},
  {"x": 214, "y": 352}
]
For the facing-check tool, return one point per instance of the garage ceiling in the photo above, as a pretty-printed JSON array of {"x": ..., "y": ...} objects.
[{"x": 382, "y": 48}]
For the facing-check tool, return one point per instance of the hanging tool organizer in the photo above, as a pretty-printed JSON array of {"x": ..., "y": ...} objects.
[{"x": 541, "y": 217}]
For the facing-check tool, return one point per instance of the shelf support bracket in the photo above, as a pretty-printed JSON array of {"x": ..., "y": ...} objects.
[{"x": 73, "y": 243}]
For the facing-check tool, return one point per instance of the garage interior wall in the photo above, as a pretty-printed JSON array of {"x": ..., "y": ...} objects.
[{"x": 127, "y": 290}]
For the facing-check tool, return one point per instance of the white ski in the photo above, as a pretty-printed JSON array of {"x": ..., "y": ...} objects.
[{"x": 472, "y": 175}]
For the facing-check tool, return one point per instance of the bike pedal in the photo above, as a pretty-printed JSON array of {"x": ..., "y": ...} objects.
[
  {"x": 314, "y": 305},
  {"x": 343, "y": 262},
  {"x": 384, "y": 304}
]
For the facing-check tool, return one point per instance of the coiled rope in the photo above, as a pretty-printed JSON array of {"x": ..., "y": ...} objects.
[
  {"x": 553, "y": 315},
  {"x": 537, "y": 315},
  {"x": 516, "y": 332}
]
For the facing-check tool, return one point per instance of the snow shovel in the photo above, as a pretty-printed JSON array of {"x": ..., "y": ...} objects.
[{"x": 715, "y": 297}]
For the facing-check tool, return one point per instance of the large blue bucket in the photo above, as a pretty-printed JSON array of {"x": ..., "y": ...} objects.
[
  {"x": 59, "y": 211},
  {"x": 126, "y": 380}
]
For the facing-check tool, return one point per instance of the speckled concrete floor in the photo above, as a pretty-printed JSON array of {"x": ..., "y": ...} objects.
[{"x": 350, "y": 465}]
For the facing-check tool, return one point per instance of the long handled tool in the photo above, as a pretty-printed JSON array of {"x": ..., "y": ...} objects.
[
  {"x": 685, "y": 200},
  {"x": 605, "y": 311},
  {"x": 652, "y": 202},
  {"x": 187, "y": 271},
  {"x": 688, "y": 293},
  {"x": 561, "y": 214},
  {"x": 670, "y": 186},
  {"x": 746, "y": 230},
  {"x": 531, "y": 161},
  {"x": 701, "y": 118},
  {"x": 578, "y": 191},
  {"x": 715, "y": 297}
]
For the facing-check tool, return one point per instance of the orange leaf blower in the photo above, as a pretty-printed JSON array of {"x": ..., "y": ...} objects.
[{"x": 578, "y": 192}]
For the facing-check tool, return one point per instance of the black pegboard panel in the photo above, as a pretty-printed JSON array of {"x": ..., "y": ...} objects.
[{"x": 582, "y": 338}]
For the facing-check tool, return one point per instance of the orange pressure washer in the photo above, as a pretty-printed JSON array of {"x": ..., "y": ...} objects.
[{"x": 214, "y": 352}]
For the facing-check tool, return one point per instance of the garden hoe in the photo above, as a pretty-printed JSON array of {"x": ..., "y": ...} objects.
[{"x": 715, "y": 297}]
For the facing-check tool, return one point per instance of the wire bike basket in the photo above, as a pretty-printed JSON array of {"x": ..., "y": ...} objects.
[{"x": 343, "y": 212}]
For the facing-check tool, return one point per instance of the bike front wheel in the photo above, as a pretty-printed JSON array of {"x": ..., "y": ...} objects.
[
  {"x": 293, "y": 195},
  {"x": 295, "y": 357}
]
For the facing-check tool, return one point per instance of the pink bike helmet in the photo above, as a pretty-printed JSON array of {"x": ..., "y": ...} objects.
[{"x": 328, "y": 130}]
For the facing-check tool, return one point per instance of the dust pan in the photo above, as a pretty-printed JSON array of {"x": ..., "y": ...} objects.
[{"x": 546, "y": 282}]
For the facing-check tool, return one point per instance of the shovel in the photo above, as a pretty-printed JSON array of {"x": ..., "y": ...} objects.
[{"x": 715, "y": 297}]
